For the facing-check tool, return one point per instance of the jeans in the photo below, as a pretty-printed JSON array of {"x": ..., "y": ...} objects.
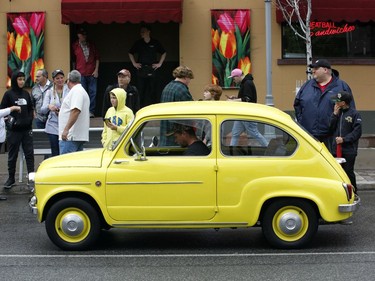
[
  {"x": 70, "y": 146},
  {"x": 251, "y": 129},
  {"x": 89, "y": 83},
  {"x": 39, "y": 124},
  {"x": 54, "y": 142}
]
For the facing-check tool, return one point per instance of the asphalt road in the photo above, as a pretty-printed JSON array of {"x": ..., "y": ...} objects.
[{"x": 338, "y": 252}]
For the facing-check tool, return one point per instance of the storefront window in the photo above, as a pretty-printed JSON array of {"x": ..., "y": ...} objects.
[{"x": 332, "y": 40}]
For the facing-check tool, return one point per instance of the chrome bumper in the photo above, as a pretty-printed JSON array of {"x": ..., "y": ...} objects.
[
  {"x": 350, "y": 208},
  {"x": 32, "y": 206}
]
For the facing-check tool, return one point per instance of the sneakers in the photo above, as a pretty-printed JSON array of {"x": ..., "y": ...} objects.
[
  {"x": 9, "y": 183},
  {"x": 92, "y": 115}
]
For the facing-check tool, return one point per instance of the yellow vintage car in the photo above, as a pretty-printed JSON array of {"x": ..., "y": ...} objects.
[{"x": 249, "y": 165}]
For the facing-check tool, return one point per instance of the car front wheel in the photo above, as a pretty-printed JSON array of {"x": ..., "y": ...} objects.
[
  {"x": 72, "y": 224},
  {"x": 289, "y": 223}
]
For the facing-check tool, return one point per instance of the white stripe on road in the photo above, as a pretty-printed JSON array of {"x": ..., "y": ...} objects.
[{"x": 190, "y": 255}]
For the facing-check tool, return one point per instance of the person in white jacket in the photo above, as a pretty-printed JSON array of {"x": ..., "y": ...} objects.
[{"x": 3, "y": 113}]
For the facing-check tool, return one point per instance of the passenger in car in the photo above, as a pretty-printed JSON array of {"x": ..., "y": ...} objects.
[{"x": 185, "y": 136}]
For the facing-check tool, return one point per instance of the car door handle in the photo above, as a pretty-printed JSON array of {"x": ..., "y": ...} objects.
[{"x": 120, "y": 161}]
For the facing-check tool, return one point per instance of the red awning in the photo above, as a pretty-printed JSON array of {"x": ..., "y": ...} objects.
[
  {"x": 120, "y": 11},
  {"x": 339, "y": 10}
]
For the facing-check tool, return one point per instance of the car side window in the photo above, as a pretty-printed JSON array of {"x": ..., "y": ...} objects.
[
  {"x": 250, "y": 138},
  {"x": 171, "y": 137}
]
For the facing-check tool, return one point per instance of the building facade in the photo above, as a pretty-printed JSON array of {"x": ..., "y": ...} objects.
[{"x": 184, "y": 29}]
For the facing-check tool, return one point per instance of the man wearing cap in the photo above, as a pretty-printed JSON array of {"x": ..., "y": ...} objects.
[
  {"x": 246, "y": 93},
  {"x": 132, "y": 97},
  {"x": 313, "y": 105},
  {"x": 86, "y": 61},
  {"x": 346, "y": 127},
  {"x": 185, "y": 136},
  {"x": 42, "y": 85}
]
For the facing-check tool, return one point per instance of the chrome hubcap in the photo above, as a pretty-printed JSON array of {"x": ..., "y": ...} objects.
[
  {"x": 72, "y": 225},
  {"x": 290, "y": 223}
]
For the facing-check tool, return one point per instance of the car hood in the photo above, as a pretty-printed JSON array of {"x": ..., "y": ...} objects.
[{"x": 88, "y": 158}]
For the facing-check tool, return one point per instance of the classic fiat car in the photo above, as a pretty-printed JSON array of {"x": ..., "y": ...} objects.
[{"x": 273, "y": 175}]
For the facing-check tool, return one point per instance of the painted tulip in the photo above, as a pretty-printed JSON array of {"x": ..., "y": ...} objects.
[
  {"x": 8, "y": 84},
  {"x": 38, "y": 64},
  {"x": 228, "y": 45},
  {"x": 245, "y": 65},
  {"x": 11, "y": 42},
  {"x": 21, "y": 25},
  {"x": 242, "y": 20},
  {"x": 37, "y": 22},
  {"x": 22, "y": 47},
  {"x": 215, "y": 39},
  {"x": 215, "y": 80},
  {"x": 226, "y": 23}
]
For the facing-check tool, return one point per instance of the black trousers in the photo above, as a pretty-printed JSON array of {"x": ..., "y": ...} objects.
[
  {"x": 348, "y": 167},
  {"x": 148, "y": 86},
  {"x": 14, "y": 140}
]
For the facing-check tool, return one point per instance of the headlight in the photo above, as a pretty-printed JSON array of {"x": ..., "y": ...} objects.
[
  {"x": 31, "y": 177},
  {"x": 31, "y": 182}
]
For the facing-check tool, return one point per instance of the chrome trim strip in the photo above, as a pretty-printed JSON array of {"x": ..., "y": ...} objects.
[
  {"x": 183, "y": 224},
  {"x": 155, "y": 182},
  {"x": 63, "y": 183}
]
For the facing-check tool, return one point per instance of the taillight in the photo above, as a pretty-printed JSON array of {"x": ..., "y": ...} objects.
[{"x": 349, "y": 190}]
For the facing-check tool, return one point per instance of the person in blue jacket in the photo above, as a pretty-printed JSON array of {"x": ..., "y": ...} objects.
[{"x": 313, "y": 105}]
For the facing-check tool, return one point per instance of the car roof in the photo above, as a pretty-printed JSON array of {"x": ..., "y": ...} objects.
[{"x": 214, "y": 108}]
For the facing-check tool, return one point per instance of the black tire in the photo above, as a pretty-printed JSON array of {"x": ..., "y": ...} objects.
[
  {"x": 73, "y": 224},
  {"x": 289, "y": 223}
]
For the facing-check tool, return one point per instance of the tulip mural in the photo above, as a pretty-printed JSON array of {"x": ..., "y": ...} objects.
[
  {"x": 230, "y": 35},
  {"x": 25, "y": 48}
]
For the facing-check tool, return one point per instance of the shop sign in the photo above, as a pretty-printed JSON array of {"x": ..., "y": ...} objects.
[{"x": 322, "y": 28}]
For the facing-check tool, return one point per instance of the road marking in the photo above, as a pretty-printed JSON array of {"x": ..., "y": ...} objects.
[{"x": 190, "y": 255}]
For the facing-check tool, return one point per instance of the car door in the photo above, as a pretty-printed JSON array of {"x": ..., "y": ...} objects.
[
  {"x": 165, "y": 185},
  {"x": 244, "y": 163}
]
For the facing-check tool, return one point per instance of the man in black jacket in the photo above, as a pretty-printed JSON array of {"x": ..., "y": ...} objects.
[
  {"x": 20, "y": 133},
  {"x": 132, "y": 97}
]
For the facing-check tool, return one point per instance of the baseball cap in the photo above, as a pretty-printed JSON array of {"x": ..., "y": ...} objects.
[
  {"x": 321, "y": 63},
  {"x": 342, "y": 96},
  {"x": 81, "y": 31},
  {"x": 124, "y": 72},
  {"x": 235, "y": 73},
  {"x": 57, "y": 71},
  {"x": 179, "y": 128}
]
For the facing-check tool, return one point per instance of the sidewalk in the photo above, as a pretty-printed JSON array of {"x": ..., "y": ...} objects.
[{"x": 365, "y": 170}]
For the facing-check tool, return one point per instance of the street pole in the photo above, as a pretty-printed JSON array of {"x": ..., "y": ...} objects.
[
  {"x": 269, "y": 131},
  {"x": 269, "y": 97}
]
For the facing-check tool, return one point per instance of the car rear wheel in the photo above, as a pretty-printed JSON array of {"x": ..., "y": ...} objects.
[
  {"x": 289, "y": 223},
  {"x": 72, "y": 224}
]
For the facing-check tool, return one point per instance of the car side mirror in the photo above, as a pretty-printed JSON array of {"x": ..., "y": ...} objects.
[{"x": 140, "y": 152}]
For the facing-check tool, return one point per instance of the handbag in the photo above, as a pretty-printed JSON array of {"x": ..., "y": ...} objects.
[{"x": 9, "y": 122}]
